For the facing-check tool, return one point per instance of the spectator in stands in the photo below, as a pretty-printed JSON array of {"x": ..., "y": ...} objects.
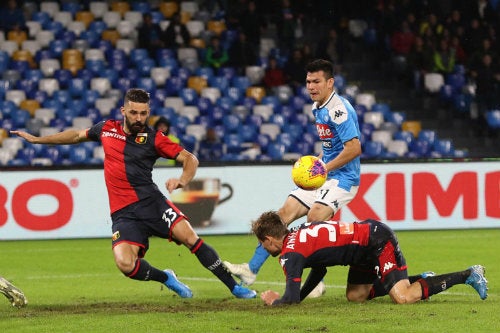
[
  {"x": 295, "y": 69},
  {"x": 419, "y": 62},
  {"x": 487, "y": 78},
  {"x": 473, "y": 36},
  {"x": 274, "y": 75},
  {"x": 444, "y": 58},
  {"x": 176, "y": 35},
  {"x": 163, "y": 125},
  {"x": 455, "y": 23},
  {"x": 216, "y": 55},
  {"x": 456, "y": 45},
  {"x": 431, "y": 25},
  {"x": 331, "y": 47},
  {"x": 477, "y": 57},
  {"x": 402, "y": 40},
  {"x": 286, "y": 25},
  {"x": 150, "y": 35},
  {"x": 210, "y": 148},
  {"x": 251, "y": 23},
  {"x": 241, "y": 53},
  {"x": 12, "y": 17}
]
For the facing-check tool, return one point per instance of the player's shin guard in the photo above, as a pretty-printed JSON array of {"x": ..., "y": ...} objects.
[
  {"x": 259, "y": 258},
  {"x": 211, "y": 260},
  {"x": 143, "y": 271}
]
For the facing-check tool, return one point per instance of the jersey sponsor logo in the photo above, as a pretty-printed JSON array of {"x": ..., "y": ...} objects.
[
  {"x": 114, "y": 135},
  {"x": 291, "y": 240},
  {"x": 141, "y": 138},
  {"x": 327, "y": 144},
  {"x": 324, "y": 132}
]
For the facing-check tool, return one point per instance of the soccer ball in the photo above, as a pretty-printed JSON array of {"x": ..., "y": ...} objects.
[{"x": 309, "y": 172}]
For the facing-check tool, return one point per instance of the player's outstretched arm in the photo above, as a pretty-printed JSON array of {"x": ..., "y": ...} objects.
[{"x": 70, "y": 136}]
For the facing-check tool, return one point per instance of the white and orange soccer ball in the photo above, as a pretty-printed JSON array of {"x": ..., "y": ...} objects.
[{"x": 309, "y": 172}]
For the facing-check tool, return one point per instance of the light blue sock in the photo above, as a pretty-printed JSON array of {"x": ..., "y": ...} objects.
[{"x": 259, "y": 258}]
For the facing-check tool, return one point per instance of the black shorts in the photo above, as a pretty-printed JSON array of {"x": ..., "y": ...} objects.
[
  {"x": 384, "y": 259},
  {"x": 134, "y": 224}
]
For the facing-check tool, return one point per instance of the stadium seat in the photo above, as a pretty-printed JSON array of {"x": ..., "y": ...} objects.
[
  {"x": 72, "y": 60},
  {"x": 100, "y": 84},
  {"x": 212, "y": 93},
  {"x": 190, "y": 111},
  {"x": 413, "y": 126},
  {"x": 33, "y": 27},
  {"x": 373, "y": 149},
  {"x": 382, "y": 136},
  {"x": 389, "y": 126},
  {"x": 444, "y": 147},
  {"x": 46, "y": 115},
  {"x": 433, "y": 82},
  {"x": 428, "y": 135},
  {"x": 9, "y": 46},
  {"x": 105, "y": 105},
  {"x": 255, "y": 74},
  {"x": 275, "y": 151},
  {"x": 231, "y": 123},
  {"x": 284, "y": 93},
  {"x": 195, "y": 27},
  {"x": 168, "y": 8},
  {"x": 49, "y": 85},
  {"x": 265, "y": 111},
  {"x": 15, "y": 95},
  {"x": 373, "y": 117},
  {"x": 256, "y": 93},
  {"x": 493, "y": 119},
  {"x": 174, "y": 102},
  {"x": 241, "y": 82},
  {"x": 406, "y": 136},
  {"x": 197, "y": 130},
  {"x": 198, "y": 83},
  {"x": 366, "y": 99},
  {"x": 159, "y": 75},
  {"x": 421, "y": 148},
  {"x": 398, "y": 147},
  {"x": 272, "y": 130},
  {"x": 98, "y": 8}
]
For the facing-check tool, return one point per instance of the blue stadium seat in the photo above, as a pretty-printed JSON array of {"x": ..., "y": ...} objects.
[
  {"x": 297, "y": 103},
  {"x": 263, "y": 140},
  {"x": 206, "y": 72},
  {"x": 205, "y": 106},
  {"x": 384, "y": 108},
  {"x": 141, "y": 6},
  {"x": 271, "y": 100},
  {"x": 303, "y": 148},
  {"x": 249, "y": 102},
  {"x": 63, "y": 76},
  {"x": 188, "y": 142},
  {"x": 428, "y": 135},
  {"x": 62, "y": 96},
  {"x": 174, "y": 84},
  {"x": 19, "y": 118},
  {"x": 493, "y": 119},
  {"x": 226, "y": 103},
  {"x": 189, "y": 96},
  {"x": 406, "y": 136},
  {"x": 248, "y": 132},
  {"x": 295, "y": 130},
  {"x": 276, "y": 150},
  {"x": 236, "y": 94},
  {"x": 33, "y": 74},
  {"x": 421, "y": 148},
  {"x": 233, "y": 143},
  {"x": 181, "y": 122},
  {"x": 41, "y": 17},
  {"x": 277, "y": 119},
  {"x": 254, "y": 119},
  {"x": 220, "y": 82},
  {"x": 373, "y": 149},
  {"x": 80, "y": 155},
  {"x": 77, "y": 86},
  {"x": 72, "y": 7},
  {"x": 98, "y": 26},
  {"x": 28, "y": 86},
  {"x": 287, "y": 140},
  {"x": 444, "y": 147},
  {"x": 146, "y": 83},
  {"x": 231, "y": 123},
  {"x": 57, "y": 46},
  {"x": 241, "y": 82},
  {"x": 227, "y": 72},
  {"x": 367, "y": 129},
  {"x": 287, "y": 112}
]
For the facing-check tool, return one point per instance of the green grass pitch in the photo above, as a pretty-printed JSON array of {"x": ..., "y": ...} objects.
[{"x": 74, "y": 286}]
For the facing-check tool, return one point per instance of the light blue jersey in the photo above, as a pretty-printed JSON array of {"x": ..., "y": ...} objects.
[{"x": 336, "y": 123}]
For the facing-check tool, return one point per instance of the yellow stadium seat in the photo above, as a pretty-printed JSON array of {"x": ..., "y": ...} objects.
[
  {"x": 30, "y": 105},
  {"x": 84, "y": 16},
  {"x": 169, "y": 8},
  {"x": 256, "y": 93},
  {"x": 111, "y": 35},
  {"x": 3, "y": 134},
  {"x": 24, "y": 55},
  {"x": 217, "y": 27},
  {"x": 18, "y": 36},
  {"x": 198, "y": 43},
  {"x": 413, "y": 126},
  {"x": 197, "y": 83},
  {"x": 121, "y": 7},
  {"x": 72, "y": 60}
]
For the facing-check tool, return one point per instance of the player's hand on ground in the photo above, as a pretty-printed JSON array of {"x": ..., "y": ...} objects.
[{"x": 269, "y": 296}]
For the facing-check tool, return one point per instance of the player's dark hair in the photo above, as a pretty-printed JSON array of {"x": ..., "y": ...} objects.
[
  {"x": 137, "y": 96},
  {"x": 320, "y": 65},
  {"x": 269, "y": 224}
]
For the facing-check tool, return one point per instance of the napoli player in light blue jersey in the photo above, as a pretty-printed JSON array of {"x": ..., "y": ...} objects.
[{"x": 338, "y": 129}]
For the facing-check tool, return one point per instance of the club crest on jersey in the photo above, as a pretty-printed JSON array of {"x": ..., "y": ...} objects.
[{"x": 141, "y": 138}]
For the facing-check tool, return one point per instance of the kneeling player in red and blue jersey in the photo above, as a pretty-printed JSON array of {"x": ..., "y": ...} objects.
[{"x": 370, "y": 248}]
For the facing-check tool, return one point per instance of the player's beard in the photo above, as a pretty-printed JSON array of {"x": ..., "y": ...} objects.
[{"x": 135, "y": 127}]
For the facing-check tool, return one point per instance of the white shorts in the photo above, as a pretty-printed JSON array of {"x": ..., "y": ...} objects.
[{"x": 329, "y": 194}]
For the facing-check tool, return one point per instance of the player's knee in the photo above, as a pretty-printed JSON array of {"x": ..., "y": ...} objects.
[{"x": 355, "y": 296}]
